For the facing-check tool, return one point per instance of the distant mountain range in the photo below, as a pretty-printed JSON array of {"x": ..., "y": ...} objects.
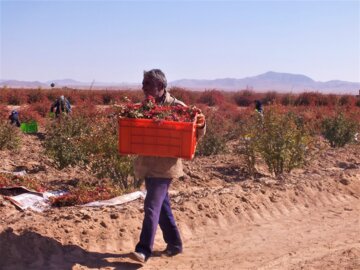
[
  {"x": 273, "y": 81},
  {"x": 269, "y": 81}
]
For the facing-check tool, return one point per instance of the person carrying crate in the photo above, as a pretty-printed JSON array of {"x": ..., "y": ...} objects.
[
  {"x": 158, "y": 173},
  {"x": 61, "y": 105}
]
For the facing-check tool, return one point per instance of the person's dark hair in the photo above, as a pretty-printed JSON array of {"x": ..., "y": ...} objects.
[{"x": 156, "y": 75}]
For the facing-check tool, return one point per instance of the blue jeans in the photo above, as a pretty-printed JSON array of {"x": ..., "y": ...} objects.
[{"x": 157, "y": 210}]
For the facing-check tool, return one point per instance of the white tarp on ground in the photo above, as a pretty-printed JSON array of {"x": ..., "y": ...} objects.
[
  {"x": 29, "y": 201},
  {"x": 39, "y": 202},
  {"x": 35, "y": 201},
  {"x": 119, "y": 200},
  {"x": 20, "y": 173}
]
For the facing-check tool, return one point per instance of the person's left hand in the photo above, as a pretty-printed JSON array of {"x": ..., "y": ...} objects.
[{"x": 200, "y": 120}]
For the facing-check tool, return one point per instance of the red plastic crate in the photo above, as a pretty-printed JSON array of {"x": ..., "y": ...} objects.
[{"x": 149, "y": 137}]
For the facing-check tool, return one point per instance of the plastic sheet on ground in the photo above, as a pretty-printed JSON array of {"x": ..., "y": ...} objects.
[
  {"x": 29, "y": 199},
  {"x": 119, "y": 200},
  {"x": 20, "y": 173},
  {"x": 40, "y": 202}
]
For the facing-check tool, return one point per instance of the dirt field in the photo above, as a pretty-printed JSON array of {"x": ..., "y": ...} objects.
[{"x": 308, "y": 219}]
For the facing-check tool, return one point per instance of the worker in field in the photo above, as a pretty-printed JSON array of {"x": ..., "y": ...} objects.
[
  {"x": 61, "y": 105},
  {"x": 259, "y": 107},
  {"x": 158, "y": 173},
  {"x": 14, "y": 118}
]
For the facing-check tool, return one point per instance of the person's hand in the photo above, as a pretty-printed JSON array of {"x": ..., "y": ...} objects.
[{"x": 200, "y": 120}]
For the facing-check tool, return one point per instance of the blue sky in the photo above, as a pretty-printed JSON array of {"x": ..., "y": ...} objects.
[{"x": 114, "y": 41}]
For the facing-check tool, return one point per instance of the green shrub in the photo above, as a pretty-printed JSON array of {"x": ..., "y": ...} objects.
[
  {"x": 107, "y": 162},
  {"x": 211, "y": 144},
  {"x": 247, "y": 149},
  {"x": 283, "y": 143},
  {"x": 9, "y": 136},
  {"x": 339, "y": 130},
  {"x": 64, "y": 140},
  {"x": 214, "y": 141},
  {"x": 91, "y": 141},
  {"x": 281, "y": 140}
]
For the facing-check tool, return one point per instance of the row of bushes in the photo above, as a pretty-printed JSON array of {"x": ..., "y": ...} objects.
[
  {"x": 75, "y": 96},
  {"x": 281, "y": 138},
  {"x": 209, "y": 97}
]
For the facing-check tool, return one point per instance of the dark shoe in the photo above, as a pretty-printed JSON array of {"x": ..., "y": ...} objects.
[
  {"x": 138, "y": 256},
  {"x": 172, "y": 252}
]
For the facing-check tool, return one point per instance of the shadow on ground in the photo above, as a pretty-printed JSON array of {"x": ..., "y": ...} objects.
[
  {"x": 231, "y": 173},
  {"x": 30, "y": 250}
]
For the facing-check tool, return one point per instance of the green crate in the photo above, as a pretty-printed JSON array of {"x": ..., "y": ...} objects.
[{"x": 30, "y": 127}]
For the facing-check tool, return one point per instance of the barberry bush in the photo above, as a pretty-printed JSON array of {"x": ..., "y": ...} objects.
[
  {"x": 284, "y": 142},
  {"x": 14, "y": 97},
  {"x": 27, "y": 114},
  {"x": 35, "y": 96},
  {"x": 64, "y": 140},
  {"x": 339, "y": 130},
  {"x": 106, "y": 161},
  {"x": 281, "y": 140},
  {"x": 244, "y": 98},
  {"x": 247, "y": 147},
  {"x": 214, "y": 141},
  {"x": 287, "y": 99},
  {"x": 90, "y": 139},
  {"x": 11, "y": 180},
  {"x": 9, "y": 136},
  {"x": 188, "y": 97},
  {"x": 211, "y": 98},
  {"x": 357, "y": 102}
]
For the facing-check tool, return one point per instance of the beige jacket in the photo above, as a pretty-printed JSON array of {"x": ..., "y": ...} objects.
[{"x": 162, "y": 167}]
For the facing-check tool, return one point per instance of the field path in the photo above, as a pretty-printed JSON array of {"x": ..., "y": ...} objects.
[{"x": 325, "y": 236}]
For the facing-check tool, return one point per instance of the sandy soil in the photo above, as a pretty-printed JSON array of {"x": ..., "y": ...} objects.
[{"x": 308, "y": 219}]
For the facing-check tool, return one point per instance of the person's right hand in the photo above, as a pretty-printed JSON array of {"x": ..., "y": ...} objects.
[{"x": 200, "y": 120}]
